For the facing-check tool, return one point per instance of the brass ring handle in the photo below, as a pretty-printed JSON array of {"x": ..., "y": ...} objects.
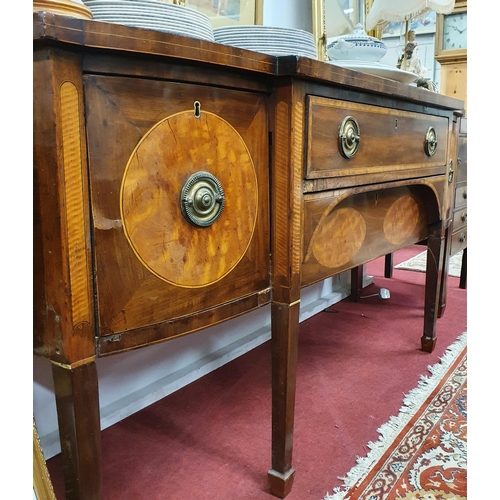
[
  {"x": 462, "y": 237},
  {"x": 349, "y": 137},
  {"x": 464, "y": 217},
  {"x": 430, "y": 141},
  {"x": 451, "y": 171},
  {"x": 202, "y": 199},
  {"x": 465, "y": 194}
]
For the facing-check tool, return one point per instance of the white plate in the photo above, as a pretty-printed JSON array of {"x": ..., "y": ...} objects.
[
  {"x": 262, "y": 29},
  {"x": 167, "y": 8},
  {"x": 262, "y": 39},
  {"x": 276, "y": 50},
  {"x": 134, "y": 23},
  {"x": 166, "y": 23},
  {"x": 139, "y": 17},
  {"x": 377, "y": 69},
  {"x": 269, "y": 44},
  {"x": 145, "y": 11}
]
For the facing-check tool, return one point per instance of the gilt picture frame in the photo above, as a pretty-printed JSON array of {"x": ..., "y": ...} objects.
[
  {"x": 42, "y": 485},
  {"x": 320, "y": 22},
  {"x": 229, "y": 12}
]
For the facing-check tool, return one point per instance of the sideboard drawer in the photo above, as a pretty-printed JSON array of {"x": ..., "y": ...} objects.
[
  {"x": 460, "y": 218},
  {"x": 462, "y": 160},
  {"x": 390, "y": 140},
  {"x": 344, "y": 229},
  {"x": 461, "y": 196},
  {"x": 458, "y": 241}
]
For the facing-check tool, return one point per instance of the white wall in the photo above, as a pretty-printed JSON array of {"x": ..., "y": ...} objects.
[
  {"x": 131, "y": 381},
  {"x": 290, "y": 14}
]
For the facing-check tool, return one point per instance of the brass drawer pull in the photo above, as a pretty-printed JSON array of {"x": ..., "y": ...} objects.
[
  {"x": 465, "y": 194},
  {"x": 462, "y": 238},
  {"x": 451, "y": 171},
  {"x": 464, "y": 217},
  {"x": 349, "y": 137},
  {"x": 430, "y": 141},
  {"x": 202, "y": 199}
]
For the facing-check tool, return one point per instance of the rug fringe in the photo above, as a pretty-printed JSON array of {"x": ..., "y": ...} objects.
[{"x": 389, "y": 431}]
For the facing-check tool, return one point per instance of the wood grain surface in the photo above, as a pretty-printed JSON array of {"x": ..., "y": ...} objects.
[{"x": 163, "y": 240}]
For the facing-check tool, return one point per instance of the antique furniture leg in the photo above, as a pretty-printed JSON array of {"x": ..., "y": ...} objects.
[
  {"x": 444, "y": 274},
  {"x": 285, "y": 324},
  {"x": 463, "y": 270},
  {"x": 286, "y": 200},
  {"x": 389, "y": 262},
  {"x": 356, "y": 283},
  {"x": 433, "y": 277},
  {"x": 77, "y": 400}
]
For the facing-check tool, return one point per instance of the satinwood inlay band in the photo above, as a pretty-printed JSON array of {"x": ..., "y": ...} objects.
[{"x": 75, "y": 215}]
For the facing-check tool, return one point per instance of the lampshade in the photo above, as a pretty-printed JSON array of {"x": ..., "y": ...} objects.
[
  {"x": 404, "y": 10},
  {"x": 336, "y": 22}
]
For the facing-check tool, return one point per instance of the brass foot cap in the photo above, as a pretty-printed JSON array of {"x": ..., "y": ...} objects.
[
  {"x": 428, "y": 344},
  {"x": 280, "y": 484}
]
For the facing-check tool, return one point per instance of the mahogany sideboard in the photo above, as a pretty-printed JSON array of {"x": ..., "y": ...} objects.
[{"x": 179, "y": 183}]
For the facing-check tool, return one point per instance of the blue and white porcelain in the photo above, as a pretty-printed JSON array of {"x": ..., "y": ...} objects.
[{"x": 357, "y": 46}]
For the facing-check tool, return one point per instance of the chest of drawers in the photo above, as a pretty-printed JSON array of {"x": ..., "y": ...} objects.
[
  {"x": 180, "y": 183},
  {"x": 459, "y": 225}
]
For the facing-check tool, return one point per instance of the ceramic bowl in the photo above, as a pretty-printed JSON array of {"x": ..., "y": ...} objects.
[{"x": 357, "y": 46}]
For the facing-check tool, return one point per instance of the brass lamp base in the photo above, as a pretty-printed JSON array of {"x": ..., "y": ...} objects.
[{"x": 63, "y": 7}]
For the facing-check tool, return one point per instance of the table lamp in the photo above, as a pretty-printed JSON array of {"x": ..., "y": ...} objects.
[{"x": 404, "y": 11}]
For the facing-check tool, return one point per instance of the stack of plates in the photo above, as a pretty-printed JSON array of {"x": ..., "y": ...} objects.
[
  {"x": 377, "y": 69},
  {"x": 153, "y": 14},
  {"x": 274, "y": 41}
]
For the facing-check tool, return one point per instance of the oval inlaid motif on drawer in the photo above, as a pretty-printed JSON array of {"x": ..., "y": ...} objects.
[
  {"x": 339, "y": 237},
  {"x": 401, "y": 220},
  {"x": 165, "y": 158}
]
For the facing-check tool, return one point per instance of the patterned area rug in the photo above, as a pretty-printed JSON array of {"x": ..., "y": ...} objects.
[
  {"x": 418, "y": 263},
  {"x": 422, "y": 453}
]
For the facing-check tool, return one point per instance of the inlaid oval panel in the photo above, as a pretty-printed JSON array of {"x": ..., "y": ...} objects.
[
  {"x": 339, "y": 237},
  {"x": 401, "y": 220},
  {"x": 167, "y": 156}
]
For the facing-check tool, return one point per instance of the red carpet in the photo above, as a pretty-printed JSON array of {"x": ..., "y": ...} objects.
[
  {"x": 422, "y": 452},
  {"x": 211, "y": 439}
]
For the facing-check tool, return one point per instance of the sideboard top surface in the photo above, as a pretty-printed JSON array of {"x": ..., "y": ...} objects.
[{"x": 53, "y": 28}]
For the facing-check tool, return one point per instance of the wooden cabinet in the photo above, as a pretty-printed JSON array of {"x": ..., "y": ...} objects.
[
  {"x": 157, "y": 272},
  {"x": 179, "y": 183},
  {"x": 151, "y": 212},
  {"x": 459, "y": 224}
]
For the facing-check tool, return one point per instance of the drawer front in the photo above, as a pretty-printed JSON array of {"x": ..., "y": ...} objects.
[
  {"x": 390, "y": 140},
  {"x": 462, "y": 160},
  {"x": 458, "y": 240},
  {"x": 170, "y": 240},
  {"x": 460, "y": 218},
  {"x": 341, "y": 232},
  {"x": 463, "y": 125},
  {"x": 461, "y": 196}
]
